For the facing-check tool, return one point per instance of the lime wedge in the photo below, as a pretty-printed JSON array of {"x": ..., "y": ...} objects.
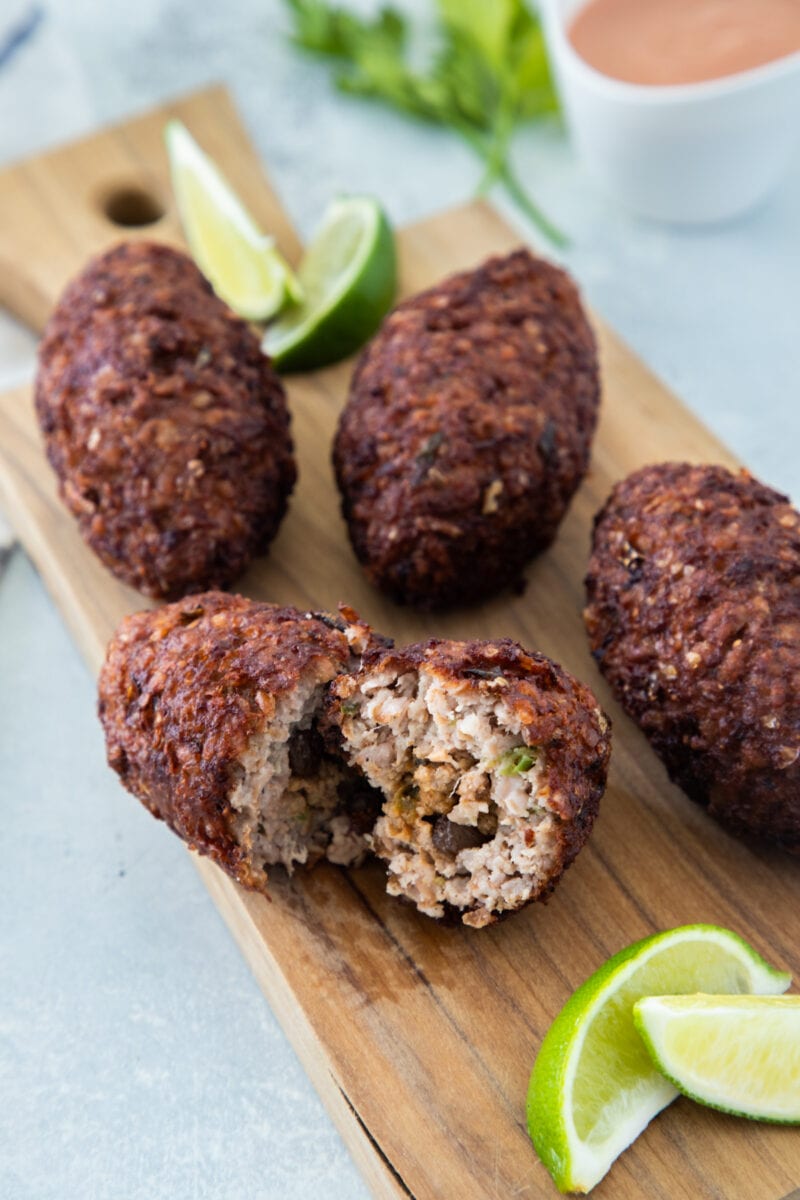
[
  {"x": 737, "y": 1053},
  {"x": 594, "y": 1087},
  {"x": 349, "y": 278},
  {"x": 241, "y": 264}
]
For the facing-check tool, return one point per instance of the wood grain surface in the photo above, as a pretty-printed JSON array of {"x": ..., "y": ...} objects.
[{"x": 420, "y": 1038}]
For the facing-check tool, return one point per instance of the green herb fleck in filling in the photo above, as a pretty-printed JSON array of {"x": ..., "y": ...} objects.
[{"x": 517, "y": 761}]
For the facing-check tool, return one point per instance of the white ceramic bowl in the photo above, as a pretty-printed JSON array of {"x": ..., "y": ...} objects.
[{"x": 689, "y": 153}]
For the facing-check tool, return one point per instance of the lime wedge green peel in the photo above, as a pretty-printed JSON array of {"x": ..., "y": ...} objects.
[
  {"x": 737, "y": 1053},
  {"x": 349, "y": 280},
  {"x": 240, "y": 262},
  {"x": 594, "y": 1087}
]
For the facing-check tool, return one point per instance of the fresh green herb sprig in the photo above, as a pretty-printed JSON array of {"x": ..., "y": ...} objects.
[{"x": 489, "y": 73}]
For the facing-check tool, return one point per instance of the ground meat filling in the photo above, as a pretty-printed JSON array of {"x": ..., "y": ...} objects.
[
  {"x": 292, "y": 798},
  {"x": 466, "y": 821}
]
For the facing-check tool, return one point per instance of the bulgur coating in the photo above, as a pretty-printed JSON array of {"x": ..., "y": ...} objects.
[
  {"x": 165, "y": 424},
  {"x": 491, "y": 760},
  {"x": 209, "y": 708},
  {"x": 467, "y": 431},
  {"x": 694, "y": 618}
]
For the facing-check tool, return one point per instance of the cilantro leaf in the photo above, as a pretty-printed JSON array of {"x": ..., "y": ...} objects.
[
  {"x": 327, "y": 29},
  {"x": 487, "y": 26},
  {"x": 487, "y": 73}
]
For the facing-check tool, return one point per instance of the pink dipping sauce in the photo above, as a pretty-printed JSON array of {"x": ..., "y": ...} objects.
[{"x": 660, "y": 42}]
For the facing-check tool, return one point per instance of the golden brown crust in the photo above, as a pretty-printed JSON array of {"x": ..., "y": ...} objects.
[
  {"x": 165, "y": 424},
  {"x": 183, "y": 690},
  {"x": 467, "y": 431},
  {"x": 694, "y": 618}
]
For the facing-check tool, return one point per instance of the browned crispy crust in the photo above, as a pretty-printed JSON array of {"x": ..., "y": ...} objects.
[
  {"x": 165, "y": 424},
  {"x": 558, "y": 714},
  {"x": 467, "y": 431},
  {"x": 183, "y": 690},
  {"x": 694, "y": 618}
]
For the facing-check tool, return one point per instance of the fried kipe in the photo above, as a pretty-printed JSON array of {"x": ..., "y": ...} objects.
[
  {"x": 210, "y": 709},
  {"x": 263, "y": 735},
  {"x": 467, "y": 431},
  {"x": 165, "y": 424},
  {"x": 693, "y": 616}
]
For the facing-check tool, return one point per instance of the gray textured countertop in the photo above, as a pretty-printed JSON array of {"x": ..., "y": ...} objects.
[{"x": 137, "y": 1056}]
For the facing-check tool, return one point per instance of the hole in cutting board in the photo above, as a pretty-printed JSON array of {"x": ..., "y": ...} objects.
[{"x": 132, "y": 207}]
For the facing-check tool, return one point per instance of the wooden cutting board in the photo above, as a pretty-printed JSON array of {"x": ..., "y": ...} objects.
[{"x": 419, "y": 1038}]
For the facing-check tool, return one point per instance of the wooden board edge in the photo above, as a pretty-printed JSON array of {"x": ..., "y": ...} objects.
[
  {"x": 376, "y": 1169},
  {"x": 216, "y": 89},
  {"x": 30, "y": 537},
  {"x": 127, "y": 155}
]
